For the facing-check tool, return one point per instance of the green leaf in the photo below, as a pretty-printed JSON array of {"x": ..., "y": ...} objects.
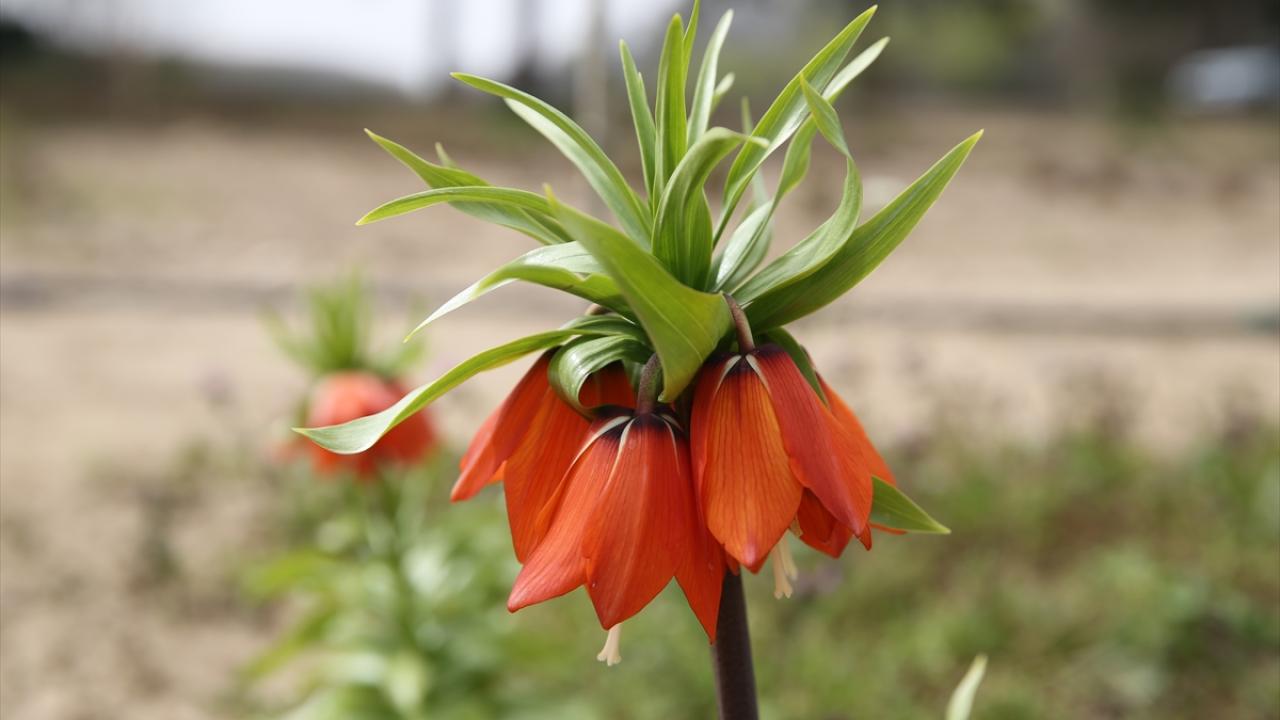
[
  {"x": 360, "y": 434},
  {"x": 682, "y": 232},
  {"x": 786, "y": 113},
  {"x": 822, "y": 113},
  {"x": 568, "y": 267},
  {"x": 864, "y": 249},
  {"x": 445, "y": 160},
  {"x": 579, "y": 358},
  {"x": 706, "y": 89},
  {"x": 961, "y": 703},
  {"x": 536, "y": 225},
  {"x": 684, "y": 325},
  {"x": 722, "y": 88},
  {"x": 891, "y": 508},
  {"x": 673, "y": 68},
  {"x": 745, "y": 249},
  {"x": 582, "y": 151},
  {"x": 307, "y": 633},
  {"x": 856, "y": 66},
  {"x": 691, "y": 33},
  {"x": 750, "y": 241},
  {"x": 792, "y": 267},
  {"x": 646, "y": 135},
  {"x": 506, "y": 197}
]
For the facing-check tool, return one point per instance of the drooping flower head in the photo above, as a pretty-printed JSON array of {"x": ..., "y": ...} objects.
[
  {"x": 624, "y": 522},
  {"x": 343, "y": 396},
  {"x": 736, "y": 444},
  {"x": 529, "y": 442},
  {"x": 349, "y": 381}
]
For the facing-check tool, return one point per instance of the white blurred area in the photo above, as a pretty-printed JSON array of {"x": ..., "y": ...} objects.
[{"x": 408, "y": 46}]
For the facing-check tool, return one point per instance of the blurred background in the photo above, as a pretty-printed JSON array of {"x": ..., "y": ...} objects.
[{"x": 1074, "y": 362}]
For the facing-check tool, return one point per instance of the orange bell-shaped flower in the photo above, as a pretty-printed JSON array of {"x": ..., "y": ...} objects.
[
  {"x": 625, "y": 522},
  {"x": 530, "y": 441},
  {"x": 767, "y": 453}
]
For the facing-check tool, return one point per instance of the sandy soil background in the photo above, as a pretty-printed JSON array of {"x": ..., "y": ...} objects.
[{"x": 1070, "y": 256}]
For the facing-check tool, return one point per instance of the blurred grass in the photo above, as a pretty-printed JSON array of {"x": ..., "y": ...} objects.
[{"x": 1101, "y": 580}]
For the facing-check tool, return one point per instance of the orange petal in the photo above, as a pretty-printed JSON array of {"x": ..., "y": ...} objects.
[
  {"x": 502, "y": 432},
  {"x": 609, "y": 386},
  {"x": 818, "y": 529},
  {"x": 641, "y": 527},
  {"x": 824, "y": 456},
  {"x": 556, "y": 566},
  {"x": 701, "y": 575},
  {"x": 850, "y": 422},
  {"x": 533, "y": 473},
  {"x": 748, "y": 493}
]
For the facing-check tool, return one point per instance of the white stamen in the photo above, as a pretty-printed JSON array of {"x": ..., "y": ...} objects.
[
  {"x": 784, "y": 569},
  {"x": 611, "y": 654}
]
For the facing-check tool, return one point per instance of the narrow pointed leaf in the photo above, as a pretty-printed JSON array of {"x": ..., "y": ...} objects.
[
  {"x": 574, "y": 142},
  {"x": 786, "y": 113},
  {"x": 684, "y": 325},
  {"x": 705, "y": 90},
  {"x": 961, "y": 703},
  {"x": 578, "y": 359},
  {"x": 864, "y": 249},
  {"x": 445, "y": 160},
  {"x": 745, "y": 249},
  {"x": 722, "y": 88},
  {"x": 568, "y": 267},
  {"x": 792, "y": 267},
  {"x": 641, "y": 117},
  {"x": 534, "y": 224},
  {"x": 691, "y": 32},
  {"x": 891, "y": 508},
  {"x": 824, "y": 115},
  {"x": 750, "y": 241},
  {"x": 504, "y": 197},
  {"x": 360, "y": 434},
  {"x": 856, "y": 66},
  {"x": 669, "y": 115},
  {"x": 682, "y": 232}
]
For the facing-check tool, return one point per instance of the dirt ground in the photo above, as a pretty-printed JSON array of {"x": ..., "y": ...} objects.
[{"x": 1070, "y": 260}]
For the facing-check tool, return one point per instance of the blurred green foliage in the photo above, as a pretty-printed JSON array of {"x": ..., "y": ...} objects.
[{"x": 1100, "y": 580}]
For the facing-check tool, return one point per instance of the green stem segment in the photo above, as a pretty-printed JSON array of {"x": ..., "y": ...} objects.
[{"x": 731, "y": 655}]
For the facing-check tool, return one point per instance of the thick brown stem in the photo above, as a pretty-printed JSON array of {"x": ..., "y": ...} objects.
[
  {"x": 731, "y": 655},
  {"x": 746, "y": 343},
  {"x": 647, "y": 391}
]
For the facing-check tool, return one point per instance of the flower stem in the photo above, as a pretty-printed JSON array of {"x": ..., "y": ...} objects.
[
  {"x": 746, "y": 343},
  {"x": 731, "y": 655},
  {"x": 647, "y": 388}
]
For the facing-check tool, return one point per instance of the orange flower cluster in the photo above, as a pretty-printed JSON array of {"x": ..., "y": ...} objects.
[{"x": 639, "y": 493}]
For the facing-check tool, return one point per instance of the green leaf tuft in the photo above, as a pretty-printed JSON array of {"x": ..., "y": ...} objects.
[{"x": 684, "y": 325}]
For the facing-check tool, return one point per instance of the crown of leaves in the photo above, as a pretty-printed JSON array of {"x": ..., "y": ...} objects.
[{"x": 662, "y": 268}]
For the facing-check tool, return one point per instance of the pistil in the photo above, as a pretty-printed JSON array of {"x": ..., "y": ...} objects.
[
  {"x": 611, "y": 653},
  {"x": 784, "y": 569}
]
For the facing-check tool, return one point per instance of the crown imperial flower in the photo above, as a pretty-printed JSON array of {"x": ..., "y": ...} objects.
[{"x": 724, "y": 446}]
